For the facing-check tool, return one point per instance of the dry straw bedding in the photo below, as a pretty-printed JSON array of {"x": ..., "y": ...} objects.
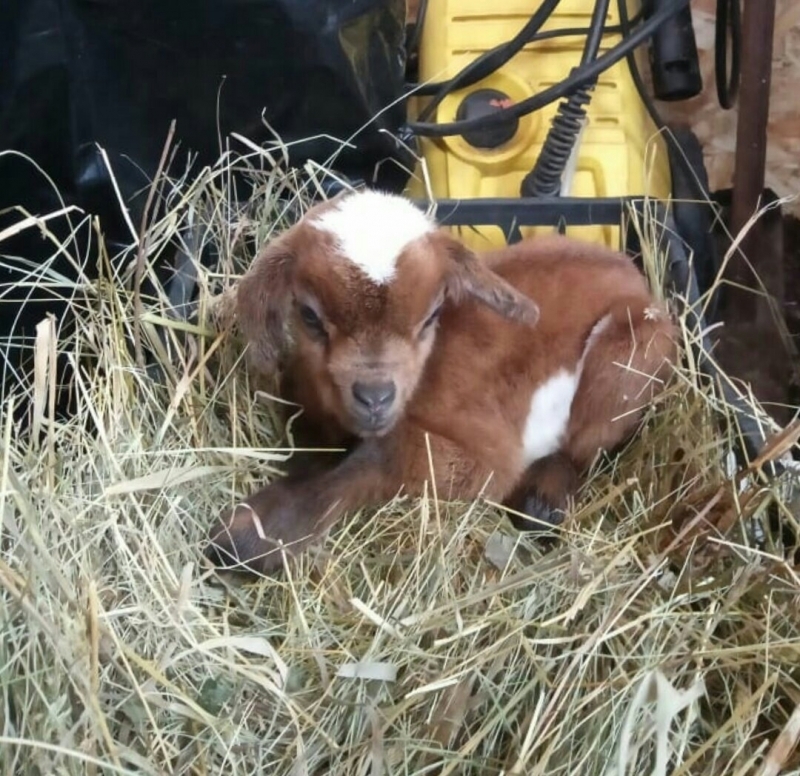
[{"x": 658, "y": 635}]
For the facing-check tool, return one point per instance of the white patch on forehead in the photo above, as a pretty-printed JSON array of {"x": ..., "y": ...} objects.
[
  {"x": 551, "y": 405},
  {"x": 372, "y": 228}
]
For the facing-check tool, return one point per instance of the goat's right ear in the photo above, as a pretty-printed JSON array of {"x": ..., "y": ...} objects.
[
  {"x": 263, "y": 303},
  {"x": 469, "y": 276}
]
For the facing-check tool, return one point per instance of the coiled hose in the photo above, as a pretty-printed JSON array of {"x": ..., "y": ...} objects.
[{"x": 545, "y": 178}]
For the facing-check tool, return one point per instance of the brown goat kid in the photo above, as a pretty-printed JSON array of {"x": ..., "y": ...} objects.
[{"x": 514, "y": 369}]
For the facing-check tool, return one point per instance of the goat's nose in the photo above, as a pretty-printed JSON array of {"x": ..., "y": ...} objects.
[{"x": 374, "y": 396}]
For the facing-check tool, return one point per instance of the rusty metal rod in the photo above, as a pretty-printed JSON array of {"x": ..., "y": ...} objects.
[{"x": 758, "y": 26}]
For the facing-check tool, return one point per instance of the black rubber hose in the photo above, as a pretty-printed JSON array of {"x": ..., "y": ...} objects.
[
  {"x": 596, "y": 30},
  {"x": 412, "y": 46},
  {"x": 652, "y": 110},
  {"x": 582, "y": 75},
  {"x": 545, "y": 178},
  {"x": 492, "y": 60},
  {"x": 729, "y": 17},
  {"x": 431, "y": 87}
]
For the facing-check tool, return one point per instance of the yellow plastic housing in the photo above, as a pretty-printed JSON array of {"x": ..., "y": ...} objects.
[{"x": 620, "y": 152}]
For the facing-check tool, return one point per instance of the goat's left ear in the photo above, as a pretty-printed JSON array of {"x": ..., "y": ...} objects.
[
  {"x": 469, "y": 276},
  {"x": 263, "y": 302}
]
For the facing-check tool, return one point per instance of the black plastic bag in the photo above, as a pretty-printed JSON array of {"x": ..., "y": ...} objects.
[{"x": 78, "y": 74}]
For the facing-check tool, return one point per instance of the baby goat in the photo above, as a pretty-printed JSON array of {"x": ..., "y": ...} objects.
[{"x": 514, "y": 369}]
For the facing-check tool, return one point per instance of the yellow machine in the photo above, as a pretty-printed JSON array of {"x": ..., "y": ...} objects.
[{"x": 618, "y": 151}]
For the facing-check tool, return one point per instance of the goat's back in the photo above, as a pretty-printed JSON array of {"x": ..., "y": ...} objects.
[{"x": 484, "y": 369}]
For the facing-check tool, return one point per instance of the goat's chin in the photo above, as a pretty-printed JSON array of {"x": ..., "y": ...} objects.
[
  {"x": 375, "y": 433},
  {"x": 370, "y": 429}
]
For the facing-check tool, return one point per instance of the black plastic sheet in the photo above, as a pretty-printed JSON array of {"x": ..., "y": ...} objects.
[{"x": 76, "y": 75}]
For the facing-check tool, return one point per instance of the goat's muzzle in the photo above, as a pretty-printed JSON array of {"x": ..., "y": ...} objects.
[{"x": 373, "y": 406}]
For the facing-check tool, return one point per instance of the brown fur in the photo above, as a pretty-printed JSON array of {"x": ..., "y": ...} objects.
[{"x": 464, "y": 388}]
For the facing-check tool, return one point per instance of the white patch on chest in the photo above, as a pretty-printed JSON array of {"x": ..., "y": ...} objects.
[
  {"x": 548, "y": 416},
  {"x": 551, "y": 405},
  {"x": 372, "y": 228}
]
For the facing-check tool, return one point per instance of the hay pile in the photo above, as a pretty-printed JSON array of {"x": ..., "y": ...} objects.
[{"x": 660, "y": 635}]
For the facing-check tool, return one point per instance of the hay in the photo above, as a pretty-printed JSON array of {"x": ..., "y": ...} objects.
[{"x": 660, "y": 634}]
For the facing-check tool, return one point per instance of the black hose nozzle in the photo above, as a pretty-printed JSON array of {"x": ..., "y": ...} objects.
[{"x": 673, "y": 55}]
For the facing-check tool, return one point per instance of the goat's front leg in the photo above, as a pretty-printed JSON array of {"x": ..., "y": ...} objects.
[
  {"x": 293, "y": 512},
  {"x": 541, "y": 496}
]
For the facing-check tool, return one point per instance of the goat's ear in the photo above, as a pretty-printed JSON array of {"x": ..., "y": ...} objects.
[
  {"x": 469, "y": 276},
  {"x": 263, "y": 303}
]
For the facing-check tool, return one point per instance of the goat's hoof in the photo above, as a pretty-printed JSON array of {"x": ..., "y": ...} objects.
[
  {"x": 537, "y": 514},
  {"x": 236, "y": 542}
]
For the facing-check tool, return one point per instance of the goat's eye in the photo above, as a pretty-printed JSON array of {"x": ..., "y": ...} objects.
[
  {"x": 311, "y": 319},
  {"x": 433, "y": 317}
]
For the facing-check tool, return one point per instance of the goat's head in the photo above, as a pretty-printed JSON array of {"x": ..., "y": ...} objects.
[{"x": 361, "y": 281}]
